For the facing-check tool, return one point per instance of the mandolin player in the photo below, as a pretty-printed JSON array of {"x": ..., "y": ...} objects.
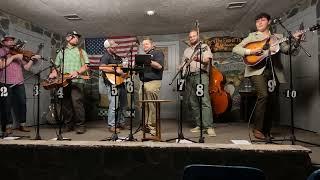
[
  {"x": 11, "y": 73},
  {"x": 266, "y": 75},
  {"x": 75, "y": 60}
]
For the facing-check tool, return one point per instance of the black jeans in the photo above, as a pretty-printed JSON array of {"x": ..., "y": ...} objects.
[
  {"x": 267, "y": 104},
  {"x": 17, "y": 102},
  {"x": 73, "y": 108}
]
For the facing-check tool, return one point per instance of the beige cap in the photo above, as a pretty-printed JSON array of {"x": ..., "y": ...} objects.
[{"x": 109, "y": 43}]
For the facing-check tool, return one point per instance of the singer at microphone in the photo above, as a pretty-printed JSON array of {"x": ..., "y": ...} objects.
[{"x": 263, "y": 70}]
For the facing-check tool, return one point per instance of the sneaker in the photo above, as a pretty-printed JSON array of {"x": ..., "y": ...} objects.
[
  {"x": 81, "y": 130},
  {"x": 211, "y": 132},
  {"x": 153, "y": 132},
  {"x": 195, "y": 130}
]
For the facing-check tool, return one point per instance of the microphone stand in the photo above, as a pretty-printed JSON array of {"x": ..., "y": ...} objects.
[
  {"x": 36, "y": 92},
  {"x": 201, "y": 138},
  {"x": 131, "y": 91},
  {"x": 4, "y": 94},
  {"x": 291, "y": 92},
  {"x": 180, "y": 133},
  {"x": 61, "y": 96},
  {"x": 115, "y": 94}
]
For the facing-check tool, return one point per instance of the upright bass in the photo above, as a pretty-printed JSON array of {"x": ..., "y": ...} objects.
[{"x": 220, "y": 99}]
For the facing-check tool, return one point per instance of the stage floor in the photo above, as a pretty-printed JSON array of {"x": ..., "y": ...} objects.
[{"x": 96, "y": 131}]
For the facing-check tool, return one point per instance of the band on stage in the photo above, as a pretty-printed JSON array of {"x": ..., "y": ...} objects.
[{"x": 70, "y": 70}]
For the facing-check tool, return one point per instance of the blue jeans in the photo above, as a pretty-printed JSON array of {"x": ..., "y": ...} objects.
[{"x": 120, "y": 102}]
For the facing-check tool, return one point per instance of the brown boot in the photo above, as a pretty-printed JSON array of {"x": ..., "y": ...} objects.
[
  {"x": 258, "y": 134},
  {"x": 23, "y": 129},
  {"x": 81, "y": 130},
  {"x": 8, "y": 130},
  {"x": 114, "y": 129}
]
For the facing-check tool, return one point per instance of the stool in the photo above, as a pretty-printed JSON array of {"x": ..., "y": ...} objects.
[{"x": 157, "y": 137}]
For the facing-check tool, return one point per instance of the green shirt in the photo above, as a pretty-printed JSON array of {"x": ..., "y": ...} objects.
[{"x": 72, "y": 60}]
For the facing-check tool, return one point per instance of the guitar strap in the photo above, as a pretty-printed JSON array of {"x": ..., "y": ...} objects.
[
  {"x": 271, "y": 83},
  {"x": 186, "y": 70},
  {"x": 82, "y": 59}
]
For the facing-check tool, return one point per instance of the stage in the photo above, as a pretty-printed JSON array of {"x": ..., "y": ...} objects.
[{"x": 86, "y": 157}]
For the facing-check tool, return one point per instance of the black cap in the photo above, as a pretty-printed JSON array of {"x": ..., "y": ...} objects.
[{"x": 73, "y": 33}]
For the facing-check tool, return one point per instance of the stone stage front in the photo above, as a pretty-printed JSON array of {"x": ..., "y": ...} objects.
[{"x": 48, "y": 159}]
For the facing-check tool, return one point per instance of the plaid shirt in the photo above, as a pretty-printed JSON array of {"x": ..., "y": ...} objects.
[
  {"x": 72, "y": 60},
  {"x": 13, "y": 70}
]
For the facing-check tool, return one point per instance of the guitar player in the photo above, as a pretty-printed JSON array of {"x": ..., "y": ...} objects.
[
  {"x": 75, "y": 60},
  {"x": 265, "y": 78},
  {"x": 116, "y": 103}
]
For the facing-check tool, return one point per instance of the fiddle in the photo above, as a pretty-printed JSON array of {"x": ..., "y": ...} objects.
[{"x": 27, "y": 55}]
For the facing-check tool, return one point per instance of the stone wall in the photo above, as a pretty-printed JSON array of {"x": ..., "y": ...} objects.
[{"x": 7, "y": 19}]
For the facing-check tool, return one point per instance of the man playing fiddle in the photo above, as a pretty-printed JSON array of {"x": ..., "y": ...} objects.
[{"x": 11, "y": 73}]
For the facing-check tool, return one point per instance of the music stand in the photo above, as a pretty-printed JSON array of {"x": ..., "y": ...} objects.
[{"x": 142, "y": 60}]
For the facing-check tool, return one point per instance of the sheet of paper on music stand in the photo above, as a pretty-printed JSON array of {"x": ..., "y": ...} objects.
[
  {"x": 11, "y": 138},
  {"x": 240, "y": 142}
]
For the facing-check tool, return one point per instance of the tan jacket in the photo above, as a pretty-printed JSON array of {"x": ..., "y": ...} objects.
[{"x": 278, "y": 67}]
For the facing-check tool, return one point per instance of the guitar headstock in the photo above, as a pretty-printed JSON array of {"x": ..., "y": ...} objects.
[{"x": 314, "y": 27}]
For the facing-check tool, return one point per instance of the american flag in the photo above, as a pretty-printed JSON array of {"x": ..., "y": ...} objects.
[{"x": 95, "y": 49}]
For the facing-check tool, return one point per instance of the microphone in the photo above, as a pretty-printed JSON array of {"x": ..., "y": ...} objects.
[
  {"x": 196, "y": 23},
  {"x": 276, "y": 20},
  {"x": 137, "y": 42},
  {"x": 53, "y": 64},
  {"x": 20, "y": 44}
]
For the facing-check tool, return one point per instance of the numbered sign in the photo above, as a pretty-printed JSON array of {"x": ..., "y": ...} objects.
[
  {"x": 271, "y": 85},
  {"x": 200, "y": 90},
  {"x": 4, "y": 91},
  {"x": 130, "y": 86},
  {"x": 60, "y": 93},
  {"x": 181, "y": 84},
  {"x": 291, "y": 94},
  {"x": 114, "y": 90},
  {"x": 36, "y": 90}
]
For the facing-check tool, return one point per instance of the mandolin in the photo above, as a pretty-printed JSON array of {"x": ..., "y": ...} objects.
[{"x": 274, "y": 47}]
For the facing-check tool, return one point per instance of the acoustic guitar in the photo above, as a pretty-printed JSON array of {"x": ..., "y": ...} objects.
[
  {"x": 273, "y": 48},
  {"x": 57, "y": 82},
  {"x": 113, "y": 78}
]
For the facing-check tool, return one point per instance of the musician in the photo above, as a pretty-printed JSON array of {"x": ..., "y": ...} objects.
[
  {"x": 151, "y": 77},
  {"x": 110, "y": 57},
  {"x": 75, "y": 60},
  {"x": 193, "y": 79},
  {"x": 13, "y": 67},
  {"x": 261, "y": 74}
]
